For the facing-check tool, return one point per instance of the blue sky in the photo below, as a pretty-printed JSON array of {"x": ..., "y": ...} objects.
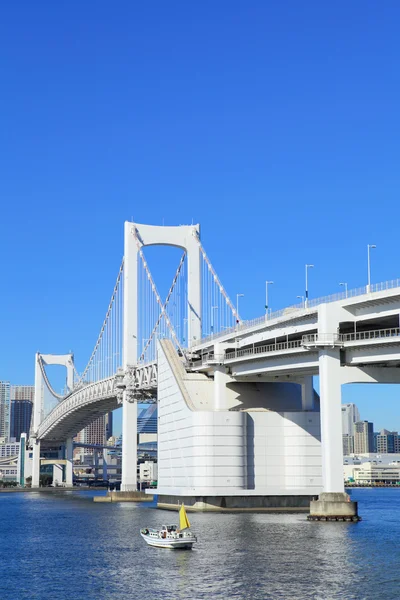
[{"x": 274, "y": 125}]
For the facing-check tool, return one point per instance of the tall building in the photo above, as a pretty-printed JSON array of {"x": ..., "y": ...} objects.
[
  {"x": 387, "y": 442},
  {"x": 5, "y": 410},
  {"x": 363, "y": 437},
  {"x": 348, "y": 444},
  {"x": 20, "y": 420},
  {"x": 350, "y": 415},
  {"x": 22, "y": 397},
  {"x": 97, "y": 432}
]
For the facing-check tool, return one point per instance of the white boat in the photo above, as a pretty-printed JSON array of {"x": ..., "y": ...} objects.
[{"x": 170, "y": 536}]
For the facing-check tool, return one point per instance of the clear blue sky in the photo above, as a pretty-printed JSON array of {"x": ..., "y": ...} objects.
[{"x": 273, "y": 124}]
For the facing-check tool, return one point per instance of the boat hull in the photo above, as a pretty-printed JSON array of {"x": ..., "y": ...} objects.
[{"x": 172, "y": 544}]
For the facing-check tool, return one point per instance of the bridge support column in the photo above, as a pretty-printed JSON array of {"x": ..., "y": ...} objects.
[
  {"x": 219, "y": 387},
  {"x": 333, "y": 504},
  {"x": 129, "y": 446},
  {"x": 36, "y": 464},
  {"x": 105, "y": 456},
  {"x": 307, "y": 393},
  {"x": 69, "y": 455},
  {"x": 331, "y": 420}
]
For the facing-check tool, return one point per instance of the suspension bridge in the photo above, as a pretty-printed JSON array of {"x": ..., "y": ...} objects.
[
  {"x": 122, "y": 368},
  {"x": 239, "y": 422}
]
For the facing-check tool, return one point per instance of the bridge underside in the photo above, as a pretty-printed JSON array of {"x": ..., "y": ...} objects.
[{"x": 73, "y": 422}]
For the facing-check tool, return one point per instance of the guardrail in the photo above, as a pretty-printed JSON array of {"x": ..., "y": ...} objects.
[
  {"x": 263, "y": 349},
  {"x": 311, "y": 304},
  {"x": 370, "y": 335},
  {"x": 322, "y": 339}
]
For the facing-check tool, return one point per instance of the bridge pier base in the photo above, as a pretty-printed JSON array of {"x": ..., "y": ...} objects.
[
  {"x": 57, "y": 475},
  {"x": 333, "y": 504},
  {"x": 36, "y": 464}
]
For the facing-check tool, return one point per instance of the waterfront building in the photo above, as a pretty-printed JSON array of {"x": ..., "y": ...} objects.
[
  {"x": 5, "y": 409},
  {"x": 369, "y": 473},
  {"x": 363, "y": 437},
  {"x": 9, "y": 453},
  {"x": 148, "y": 471}
]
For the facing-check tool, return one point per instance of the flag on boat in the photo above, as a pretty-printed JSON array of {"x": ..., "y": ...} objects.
[{"x": 183, "y": 520}]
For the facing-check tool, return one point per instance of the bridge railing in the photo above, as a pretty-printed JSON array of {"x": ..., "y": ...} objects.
[
  {"x": 371, "y": 335},
  {"x": 263, "y": 349},
  {"x": 312, "y": 339},
  {"x": 313, "y": 303}
]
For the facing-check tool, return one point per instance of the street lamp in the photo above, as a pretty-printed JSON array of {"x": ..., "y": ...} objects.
[
  {"x": 369, "y": 266},
  {"x": 267, "y": 283},
  {"x": 237, "y": 306},
  {"x": 301, "y": 298},
  {"x": 345, "y": 286},
  {"x": 307, "y": 267},
  {"x": 212, "y": 318}
]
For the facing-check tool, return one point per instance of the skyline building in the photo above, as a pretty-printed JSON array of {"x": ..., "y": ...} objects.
[
  {"x": 387, "y": 442},
  {"x": 98, "y": 432},
  {"x": 20, "y": 418},
  {"x": 21, "y": 406},
  {"x": 5, "y": 410},
  {"x": 350, "y": 415},
  {"x": 348, "y": 444},
  {"x": 363, "y": 437}
]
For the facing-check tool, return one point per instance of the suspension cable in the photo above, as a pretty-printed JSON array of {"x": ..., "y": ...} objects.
[
  {"x": 104, "y": 323},
  {"x": 162, "y": 308},
  {"x": 171, "y": 289},
  {"x": 216, "y": 278}
]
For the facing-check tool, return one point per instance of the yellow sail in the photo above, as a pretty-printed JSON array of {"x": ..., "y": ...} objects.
[{"x": 183, "y": 520}]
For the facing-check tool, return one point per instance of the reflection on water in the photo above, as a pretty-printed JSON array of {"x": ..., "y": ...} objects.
[{"x": 65, "y": 546}]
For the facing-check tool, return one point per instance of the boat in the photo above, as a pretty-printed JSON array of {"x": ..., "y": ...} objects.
[{"x": 171, "y": 536}]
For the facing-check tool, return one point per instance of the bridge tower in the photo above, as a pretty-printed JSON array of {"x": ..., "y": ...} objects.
[
  {"x": 41, "y": 360},
  {"x": 135, "y": 238}
]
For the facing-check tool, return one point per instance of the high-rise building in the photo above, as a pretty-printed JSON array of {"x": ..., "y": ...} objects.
[
  {"x": 363, "y": 437},
  {"x": 348, "y": 444},
  {"x": 22, "y": 397},
  {"x": 97, "y": 432},
  {"x": 387, "y": 442},
  {"x": 5, "y": 410},
  {"x": 350, "y": 415},
  {"x": 22, "y": 392},
  {"x": 20, "y": 420}
]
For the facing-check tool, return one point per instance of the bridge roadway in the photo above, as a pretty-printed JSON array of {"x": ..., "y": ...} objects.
[{"x": 365, "y": 331}]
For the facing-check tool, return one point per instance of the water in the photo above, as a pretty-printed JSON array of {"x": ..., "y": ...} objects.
[{"x": 65, "y": 546}]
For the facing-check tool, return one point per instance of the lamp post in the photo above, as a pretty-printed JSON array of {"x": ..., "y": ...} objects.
[
  {"x": 212, "y": 318},
  {"x": 306, "y": 299},
  {"x": 345, "y": 286},
  {"x": 237, "y": 306},
  {"x": 267, "y": 283},
  {"x": 301, "y": 298},
  {"x": 369, "y": 266}
]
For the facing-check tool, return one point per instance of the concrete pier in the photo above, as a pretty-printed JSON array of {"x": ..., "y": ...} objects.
[
  {"x": 235, "y": 503},
  {"x": 333, "y": 506},
  {"x": 124, "y": 497}
]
